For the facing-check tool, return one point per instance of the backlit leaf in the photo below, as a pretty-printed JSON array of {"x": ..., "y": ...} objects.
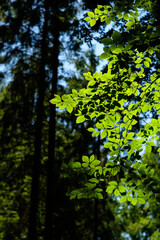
[
  {"x": 134, "y": 201},
  {"x": 92, "y": 22},
  {"x": 110, "y": 189},
  {"x": 123, "y": 199},
  {"x": 121, "y": 189},
  {"x": 116, "y": 193},
  {"x": 80, "y": 119}
]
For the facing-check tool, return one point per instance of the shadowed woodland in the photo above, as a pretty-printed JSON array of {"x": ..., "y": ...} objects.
[{"x": 46, "y": 46}]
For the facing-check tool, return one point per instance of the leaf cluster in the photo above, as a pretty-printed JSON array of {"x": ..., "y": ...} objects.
[{"x": 114, "y": 101}]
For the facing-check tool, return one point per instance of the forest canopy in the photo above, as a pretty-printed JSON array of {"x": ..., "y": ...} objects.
[
  {"x": 114, "y": 102},
  {"x": 79, "y": 147}
]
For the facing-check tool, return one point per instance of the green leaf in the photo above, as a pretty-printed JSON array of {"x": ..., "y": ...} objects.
[
  {"x": 90, "y": 185},
  {"x": 91, "y": 14},
  {"x": 88, "y": 76},
  {"x": 56, "y": 99},
  {"x": 95, "y": 163},
  {"x": 148, "y": 59},
  {"x": 114, "y": 183},
  {"x": 107, "y": 41},
  {"x": 116, "y": 36},
  {"x": 154, "y": 121},
  {"x": 91, "y": 83},
  {"x": 146, "y": 64},
  {"x": 118, "y": 116},
  {"x": 119, "y": 15},
  {"x": 108, "y": 144},
  {"x": 145, "y": 108},
  {"x": 121, "y": 189},
  {"x": 125, "y": 119},
  {"x": 142, "y": 168},
  {"x": 151, "y": 173},
  {"x": 75, "y": 192},
  {"x": 92, "y": 171},
  {"x": 99, "y": 170},
  {"x": 141, "y": 200},
  {"x": 151, "y": 143},
  {"x": 134, "y": 122},
  {"x": 112, "y": 48},
  {"x": 138, "y": 65},
  {"x": 75, "y": 165},
  {"x": 92, "y": 22},
  {"x": 91, "y": 129},
  {"x": 150, "y": 51},
  {"x": 134, "y": 201},
  {"x": 126, "y": 17},
  {"x": 130, "y": 135},
  {"x": 69, "y": 108},
  {"x": 94, "y": 180},
  {"x": 110, "y": 189},
  {"x": 99, "y": 195},
  {"x": 130, "y": 23},
  {"x": 123, "y": 199},
  {"x": 104, "y": 56},
  {"x": 91, "y": 158},
  {"x": 85, "y": 159},
  {"x": 148, "y": 148},
  {"x": 87, "y": 19},
  {"x": 116, "y": 193},
  {"x": 99, "y": 125},
  {"x": 80, "y": 119},
  {"x": 117, "y": 51},
  {"x": 75, "y": 93},
  {"x": 139, "y": 60},
  {"x": 108, "y": 21},
  {"x": 115, "y": 170},
  {"x": 63, "y": 106},
  {"x": 103, "y": 134},
  {"x": 80, "y": 195},
  {"x": 98, "y": 190},
  {"x": 129, "y": 198},
  {"x": 140, "y": 194},
  {"x": 95, "y": 134},
  {"x": 96, "y": 11},
  {"x": 124, "y": 134},
  {"x": 85, "y": 165},
  {"x": 82, "y": 92}
]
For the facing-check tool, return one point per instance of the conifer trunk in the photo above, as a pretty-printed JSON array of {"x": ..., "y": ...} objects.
[
  {"x": 95, "y": 229},
  {"x": 32, "y": 230},
  {"x": 51, "y": 166}
]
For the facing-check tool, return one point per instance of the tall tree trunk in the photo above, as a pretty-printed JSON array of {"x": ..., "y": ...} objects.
[
  {"x": 95, "y": 229},
  {"x": 97, "y": 152},
  {"x": 32, "y": 230},
  {"x": 51, "y": 172}
]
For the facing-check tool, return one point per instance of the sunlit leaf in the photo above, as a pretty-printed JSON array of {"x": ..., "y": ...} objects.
[{"x": 80, "y": 119}]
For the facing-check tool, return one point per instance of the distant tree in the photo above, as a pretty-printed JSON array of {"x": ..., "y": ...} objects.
[{"x": 30, "y": 49}]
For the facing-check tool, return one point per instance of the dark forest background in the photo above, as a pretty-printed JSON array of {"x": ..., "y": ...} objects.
[{"x": 42, "y": 53}]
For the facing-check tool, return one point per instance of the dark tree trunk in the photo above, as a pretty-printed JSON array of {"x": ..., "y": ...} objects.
[
  {"x": 51, "y": 167},
  {"x": 95, "y": 229},
  {"x": 32, "y": 230}
]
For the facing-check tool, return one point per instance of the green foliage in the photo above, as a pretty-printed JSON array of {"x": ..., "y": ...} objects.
[{"x": 114, "y": 101}]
